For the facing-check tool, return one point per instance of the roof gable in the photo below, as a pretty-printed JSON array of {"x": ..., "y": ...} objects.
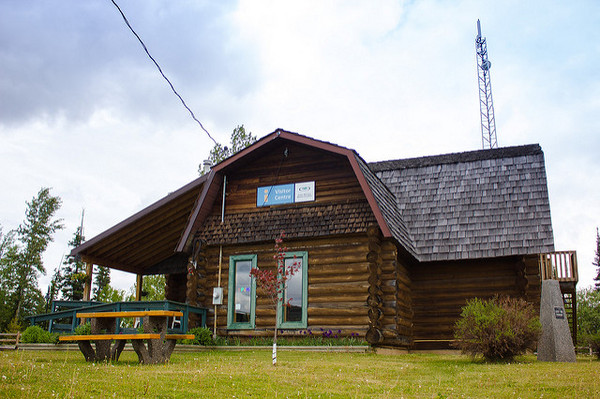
[{"x": 246, "y": 156}]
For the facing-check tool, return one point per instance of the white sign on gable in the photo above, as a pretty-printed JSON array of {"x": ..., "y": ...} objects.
[
  {"x": 304, "y": 192},
  {"x": 285, "y": 194}
]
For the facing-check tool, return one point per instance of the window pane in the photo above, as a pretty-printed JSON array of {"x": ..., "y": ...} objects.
[
  {"x": 242, "y": 291},
  {"x": 293, "y": 293}
]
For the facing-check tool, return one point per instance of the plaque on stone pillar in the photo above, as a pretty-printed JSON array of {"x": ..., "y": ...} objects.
[{"x": 556, "y": 343}]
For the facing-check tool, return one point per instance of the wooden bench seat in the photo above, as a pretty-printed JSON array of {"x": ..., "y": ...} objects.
[
  {"x": 180, "y": 336},
  {"x": 103, "y": 337}
]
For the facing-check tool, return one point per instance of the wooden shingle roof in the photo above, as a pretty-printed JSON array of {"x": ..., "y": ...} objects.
[
  {"x": 476, "y": 204},
  {"x": 299, "y": 222}
]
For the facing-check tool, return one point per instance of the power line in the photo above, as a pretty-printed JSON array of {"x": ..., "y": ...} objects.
[{"x": 161, "y": 72}]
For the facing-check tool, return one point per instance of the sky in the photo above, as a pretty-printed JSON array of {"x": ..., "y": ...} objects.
[{"x": 84, "y": 111}]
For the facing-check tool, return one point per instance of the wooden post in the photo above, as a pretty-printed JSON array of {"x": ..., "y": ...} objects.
[
  {"x": 138, "y": 287},
  {"x": 87, "y": 288}
]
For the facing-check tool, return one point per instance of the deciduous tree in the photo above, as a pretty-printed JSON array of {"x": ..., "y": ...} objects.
[
  {"x": 274, "y": 282},
  {"x": 22, "y": 260},
  {"x": 239, "y": 140}
]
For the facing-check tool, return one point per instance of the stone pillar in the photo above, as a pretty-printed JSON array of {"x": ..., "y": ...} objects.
[{"x": 556, "y": 343}]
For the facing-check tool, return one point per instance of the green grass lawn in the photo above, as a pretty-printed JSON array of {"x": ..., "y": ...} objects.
[{"x": 220, "y": 374}]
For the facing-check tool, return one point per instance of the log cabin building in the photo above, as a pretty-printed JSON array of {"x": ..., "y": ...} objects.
[{"x": 389, "y": 250}]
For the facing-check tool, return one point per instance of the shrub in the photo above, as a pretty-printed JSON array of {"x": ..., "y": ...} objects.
[
  {"x": 35, "y": 334},
  {"x": 588, "y": 319},
  {"x": 499, "y": 329},
  {"x": 83, "y": 329},
  {"x": 203, "y": 336}
]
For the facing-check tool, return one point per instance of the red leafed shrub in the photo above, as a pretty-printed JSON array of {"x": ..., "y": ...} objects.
[{"x": 499, "y": 329}]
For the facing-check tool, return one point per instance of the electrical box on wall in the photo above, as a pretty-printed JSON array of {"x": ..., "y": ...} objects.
[{"x": 218, "y": 296}]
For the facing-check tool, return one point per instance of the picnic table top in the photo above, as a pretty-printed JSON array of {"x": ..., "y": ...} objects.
[
  {"x": 100, "y": 337},
  {"x": 132, "y": 313}
]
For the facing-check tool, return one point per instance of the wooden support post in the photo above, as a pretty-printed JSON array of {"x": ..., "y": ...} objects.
[
  {"x": 87, "y": 288},
  {"x": 138, "y": 287}
]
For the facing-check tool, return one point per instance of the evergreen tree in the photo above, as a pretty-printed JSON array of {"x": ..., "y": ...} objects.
[
  {"x": 72, "y": 276},
  {"x": 102, "y": 281},
  {"x": 597, "y": 260},
  {"x": 239, "y": 140}
]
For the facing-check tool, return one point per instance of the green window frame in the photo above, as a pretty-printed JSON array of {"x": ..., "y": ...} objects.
[
  {"x": 295, "y": 316},
  {"x": 241, "y": 296}
]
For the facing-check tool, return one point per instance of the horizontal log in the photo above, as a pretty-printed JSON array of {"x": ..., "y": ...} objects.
[
  {"x": 338, "y": 305},
  {"x": 448, "y": 320},
  {"x": 335, "y": 321},
  {"x": 337, "y": 298},
  {"x": 388, "y": 266},
  {"x": 404, "y": 322},
  {"x": 335, "y": 269},
  {"x": 333, "y": 312},
  {"x": 338, "y": 288},
  {"x": 465, "y": 283},
  {"x": 374, "y": 246},
  {"x": 457, "y": 293},
  {"x": 403, "y": 279},
  {"x": 339, "y": 278}
]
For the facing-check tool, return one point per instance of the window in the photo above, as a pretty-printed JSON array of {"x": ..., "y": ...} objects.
[
  {"x": 241, "y": 298},
  {"x": 293, "y": 312}
]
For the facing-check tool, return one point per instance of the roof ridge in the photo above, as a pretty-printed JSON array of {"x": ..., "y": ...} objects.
[{"x": 458, "y": 157}]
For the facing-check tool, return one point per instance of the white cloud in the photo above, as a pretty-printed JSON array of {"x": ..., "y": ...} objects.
[{"x": 84, "y": 111}]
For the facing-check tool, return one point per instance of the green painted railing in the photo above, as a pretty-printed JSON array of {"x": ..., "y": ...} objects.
[{"x": 70, "y": 321}]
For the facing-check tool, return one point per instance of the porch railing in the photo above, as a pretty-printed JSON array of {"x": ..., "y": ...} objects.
[{"x": 560, "y": 265}]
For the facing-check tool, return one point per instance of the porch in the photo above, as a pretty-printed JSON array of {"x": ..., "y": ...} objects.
[{"x": 562, "y": 266}]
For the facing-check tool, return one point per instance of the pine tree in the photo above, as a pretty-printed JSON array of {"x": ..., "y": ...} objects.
[
  {"x": 102, "y": 281},
  {"x": 72, "y": 276},
  {"x": 597, "y": 260}
]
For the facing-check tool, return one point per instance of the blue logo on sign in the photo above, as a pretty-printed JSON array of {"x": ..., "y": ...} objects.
[{"x": 275, "y": 195}]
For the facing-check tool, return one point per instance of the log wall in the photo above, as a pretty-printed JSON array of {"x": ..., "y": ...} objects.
[
  {"x": 338, "y": 284},
  {"x": 440, "y": 289}
]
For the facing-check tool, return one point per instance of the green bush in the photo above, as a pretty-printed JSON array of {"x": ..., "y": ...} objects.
[
  {"x": 588, "y": 319},
  {"x": 499, "y": 329},
  {"x": 83, "y": 329},
  {"x": 203, "y": 336},
  {"x": 35, "y": 334}
]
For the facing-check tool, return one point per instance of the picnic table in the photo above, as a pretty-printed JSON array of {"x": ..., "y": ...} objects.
[{"x": 152, "y": 346}]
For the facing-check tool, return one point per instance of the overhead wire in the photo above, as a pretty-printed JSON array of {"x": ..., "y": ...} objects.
[{"x": 161, "y": 72}]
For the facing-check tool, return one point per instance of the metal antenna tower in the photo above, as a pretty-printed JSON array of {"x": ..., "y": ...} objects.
[{"x": 486, "y": 104}]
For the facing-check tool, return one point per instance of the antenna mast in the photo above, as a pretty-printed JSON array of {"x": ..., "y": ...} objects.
[{"x": 486, "y": 104}]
